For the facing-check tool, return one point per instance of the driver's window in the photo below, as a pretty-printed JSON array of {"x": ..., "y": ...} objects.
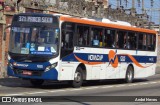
[
  {"x": 67, "y": 40},
  {"x": 67, "y": 35}
]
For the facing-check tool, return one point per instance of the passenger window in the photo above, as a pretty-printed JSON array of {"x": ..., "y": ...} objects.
[
  {"x": 83, "y": 35},
  {"x": 121, "y": 39},
  {"x": 109, "y": 38},
  {"x": 97, "y": 37},
  {"x": 132, "y": 39},
  {"x": 142, "y": 41},
  {"x": 151, "y": 42}
]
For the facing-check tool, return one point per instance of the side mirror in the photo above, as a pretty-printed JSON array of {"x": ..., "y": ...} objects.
[{"x": 5, "y": 34}]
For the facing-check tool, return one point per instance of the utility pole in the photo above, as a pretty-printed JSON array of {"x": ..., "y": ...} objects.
[
  {"x": 133, "y": 8},
  {"x": 118, "y": 3},
  {"x": 155, "y": 9},
  {"x": 143, "y": 7},
  {"x": 133, "y": 3}
]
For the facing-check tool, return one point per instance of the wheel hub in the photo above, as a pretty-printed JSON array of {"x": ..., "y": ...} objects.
[
  {"x": 129, "y": 75},
  {"x": 77, "y": 77}
]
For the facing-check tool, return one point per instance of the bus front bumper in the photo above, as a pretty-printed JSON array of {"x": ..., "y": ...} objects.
[{"x": 52, "y": 74}]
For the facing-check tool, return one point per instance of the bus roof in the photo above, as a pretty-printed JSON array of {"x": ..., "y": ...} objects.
[{"x": 109, "y": 25}]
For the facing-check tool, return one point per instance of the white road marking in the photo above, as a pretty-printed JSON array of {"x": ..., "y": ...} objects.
[
  {"x": 36, "y": 93},
  {"x": 20, "y": 94},
  {"x": 91, "y": 88},
  {"x": 153, "y": 82},
  {"x": 145, "y": 83},
  {"x": 132, "y": 84},
  {"x": 75, "y": 89},
  {"x": 107, "y": 87},
  {"x": 87, "y": 88},
  {"x": 120, "y": 86},
  {"x": 83, "y": 88},
  {"x": 52, "y": 91}
]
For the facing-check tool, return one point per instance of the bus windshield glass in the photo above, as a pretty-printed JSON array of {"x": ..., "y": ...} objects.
[{"x": 34, "y": 40}]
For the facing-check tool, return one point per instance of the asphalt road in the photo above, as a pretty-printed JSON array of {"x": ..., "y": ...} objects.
[{"x": 143, "y": 87}]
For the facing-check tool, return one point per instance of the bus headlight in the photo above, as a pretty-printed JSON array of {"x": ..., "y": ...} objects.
[
  {"x": 50, "y": 67},
  {"x": 47, "y": 68}
]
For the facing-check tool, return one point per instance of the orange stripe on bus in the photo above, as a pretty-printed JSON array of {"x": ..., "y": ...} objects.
[
  {"x": 82, "y": 21},
  {"x": 96, "y": 63},
  {"x": 135, "y": 61}
]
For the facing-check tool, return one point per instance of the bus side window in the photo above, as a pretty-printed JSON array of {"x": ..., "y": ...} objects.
[
  {"x": 109, "y": 38},
  {"x": 96, "y": 37},
  {"x": 83, "y": 35},
  {"x": 141, "y": 41},
  {"x": 151, "y": 42},
  {"x": 132, "y": 38},
  {"x": 121, "y": 36}
]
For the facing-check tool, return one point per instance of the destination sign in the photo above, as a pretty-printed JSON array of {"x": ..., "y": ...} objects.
[{"x": 35, "y": 19}]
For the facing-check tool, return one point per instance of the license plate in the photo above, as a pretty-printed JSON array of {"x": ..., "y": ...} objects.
[{"x": 27, "y": 72}]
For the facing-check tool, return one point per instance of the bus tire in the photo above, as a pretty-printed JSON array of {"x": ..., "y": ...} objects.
[
  {"x": 129, "y": 75},
  {"x": 78, "y": 78},
  {"x": 36, "y": 82}
]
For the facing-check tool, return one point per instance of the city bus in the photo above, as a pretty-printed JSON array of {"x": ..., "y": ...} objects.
[{"x": 73, "y": 49}]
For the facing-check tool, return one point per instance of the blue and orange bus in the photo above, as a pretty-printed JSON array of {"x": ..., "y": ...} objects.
[{"x": 65, "y": 48}]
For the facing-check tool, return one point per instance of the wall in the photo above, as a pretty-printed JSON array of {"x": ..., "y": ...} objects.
[
  {"x": 158, "y": 59},
  {"x": 1, "y": 28}
]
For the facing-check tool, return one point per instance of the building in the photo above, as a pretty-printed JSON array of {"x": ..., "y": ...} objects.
[{"x": 156, "y": 27}]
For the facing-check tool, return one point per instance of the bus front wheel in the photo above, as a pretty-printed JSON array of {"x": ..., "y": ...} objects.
[
  {"x": 129, "y": 74},
  {"x": 78, "y": 78},
  {"x": 36, "y": 82}
]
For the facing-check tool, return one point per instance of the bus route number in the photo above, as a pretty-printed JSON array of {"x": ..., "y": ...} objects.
[{"x": 22, "y": 19}]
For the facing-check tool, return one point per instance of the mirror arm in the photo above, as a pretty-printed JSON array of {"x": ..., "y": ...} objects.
[{"x": 4, "y": 36}]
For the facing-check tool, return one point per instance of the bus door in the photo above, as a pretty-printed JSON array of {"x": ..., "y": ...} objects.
[{"x": 66, "y": 50}]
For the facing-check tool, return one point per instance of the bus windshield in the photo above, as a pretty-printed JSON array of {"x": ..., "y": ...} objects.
[{"x": 34, "y": 40}]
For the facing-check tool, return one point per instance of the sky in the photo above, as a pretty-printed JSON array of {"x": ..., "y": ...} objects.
[{"x": 154, "y": 15}]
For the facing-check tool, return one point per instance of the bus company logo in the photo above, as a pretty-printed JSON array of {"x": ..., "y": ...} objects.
[
  {"x": 113, "y": 58},
  {"x": 21, "y": 65},
  {"x": 95, "y": 57}
]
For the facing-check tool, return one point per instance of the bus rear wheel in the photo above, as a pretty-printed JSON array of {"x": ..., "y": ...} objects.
[
  {"x": 78, "y": 78},
  {"x": 36, "y": 82},
  {"x": 129, "y": 75}
]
